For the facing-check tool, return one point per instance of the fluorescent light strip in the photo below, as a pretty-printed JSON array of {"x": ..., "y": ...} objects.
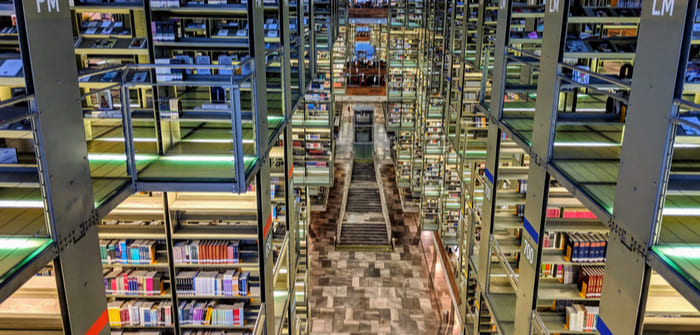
[
  {"x": 681, "y": 211},
  {"x": 686, "y": 145},
  {"x": 18, "y": 243},
  {"x": 586, "y": 144},
  {"x": 121, "y": 139},
  {"x": 21, "y": 204},
  {"x": 692, "y": 252}
]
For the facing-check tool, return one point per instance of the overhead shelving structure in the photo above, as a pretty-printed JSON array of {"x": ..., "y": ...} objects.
[
  {"x": 403, "y": 56},
  {"x": 48, "y": 204},
  {"x": 184, "y": 107},
  {"x": 312, "y": 133},
  {"x": 577, "y": 186}
]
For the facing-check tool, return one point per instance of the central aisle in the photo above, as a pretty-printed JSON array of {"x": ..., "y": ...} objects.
[{"x": 369, "y": 292}]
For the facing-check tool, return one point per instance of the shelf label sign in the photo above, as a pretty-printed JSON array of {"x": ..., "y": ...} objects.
[
  {"x": 528, "y": 252},
  {"x": 50, "y": 5},
  {"x": 554, "y": 6},
  {"x": 666, "y": 8},
  {"x": 268, "y": 246}
]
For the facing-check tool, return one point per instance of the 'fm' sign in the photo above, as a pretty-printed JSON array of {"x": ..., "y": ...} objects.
[{"x": 50, "y": 4}]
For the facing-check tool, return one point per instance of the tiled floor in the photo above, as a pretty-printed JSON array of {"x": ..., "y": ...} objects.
[{"x": 370, "y": 292}]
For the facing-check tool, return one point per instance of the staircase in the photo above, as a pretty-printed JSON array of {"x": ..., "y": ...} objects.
[{"x": 364, "y": 226}]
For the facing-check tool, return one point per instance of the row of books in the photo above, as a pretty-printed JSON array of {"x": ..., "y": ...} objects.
[
  {"x": 590, "y": 281},
  {"x": 139, "y": 313},
  {"x": 128, "y": 251},
  {"x": 206, "y": 252},
  {"x": 602, "y": 45},
  {"x": 581, "y": 318},
  {"x": 228, "y": 284},
  {"x": 202, "y": 313},
  {"x": 585, "y": 247},
  {"x": 133, "y": 282},
  {"x": 169, "y": 108}
]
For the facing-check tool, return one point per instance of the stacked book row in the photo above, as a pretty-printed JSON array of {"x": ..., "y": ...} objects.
[
  {"x": 128, "y": 251},
  {"x": 139, "y": 313},
  {"x": 207, "y": 252},
  {"x": 204, "y": 313},
  {"x": 133, "y": 282},
  {"x": 228, "y": 284},
  {"x": 581, "y": 318}
]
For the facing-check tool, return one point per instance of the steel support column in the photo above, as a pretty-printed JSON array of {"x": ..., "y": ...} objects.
[
  {"x": 645, "y": 160},
  {"x": 51, "y": 75},
  {"x": 538, "y": 179}
]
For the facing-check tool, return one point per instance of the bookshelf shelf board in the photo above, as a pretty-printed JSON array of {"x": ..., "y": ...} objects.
[
  {"x": 502, "y": 306},
  {"x": 509, "y": 198},
  {"x": 575, "y": 225},
  {"x": 552, "y": 289},
  {"x": 601, "y": 55},
  {"x": 12, "y": 81},
  {"x": 240, "y": 43},
  {"x": 508, "y": 221},
  {"x": 116, "y": 232},
  {"x": 161, "y": 262},
  {"x": 604, "y": 19},
  {"x": 233, "y": 232},
  {"x": 554, "y": 323},
  {"x": 250, "y": 297},
  {"x": 216, "y": 11},
  {"x": 248, "y": 263},
  {"x": 166, "y": 295},
  {"x": 107, "y": 7},
  {"x": 525, "y": 40}
]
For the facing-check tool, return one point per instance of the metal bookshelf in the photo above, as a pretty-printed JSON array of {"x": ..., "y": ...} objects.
[
  {"x": 179, "y": 100},
  {"x": 564, "y": 72}
]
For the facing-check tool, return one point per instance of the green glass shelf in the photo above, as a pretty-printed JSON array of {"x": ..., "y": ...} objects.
[
  {"x": 16, "y": 252},
  {"x": 684, "y": 259}
]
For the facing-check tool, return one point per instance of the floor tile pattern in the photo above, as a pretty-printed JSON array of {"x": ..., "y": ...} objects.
[{"x": 360, "y": 292}]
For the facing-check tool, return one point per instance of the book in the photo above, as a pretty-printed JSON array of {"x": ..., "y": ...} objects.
[
  {"x": 104, "y": 43},
  {"x": 104, "y": 100},
  {"x": 109, "y": 76},
  {"x": 576, "y": 46},
  {"x": 140, "y": 77},
  {"x": 137, "y": 43},
  {"x": 203, "y": 60},
  {"x": 11, "y": 67}
]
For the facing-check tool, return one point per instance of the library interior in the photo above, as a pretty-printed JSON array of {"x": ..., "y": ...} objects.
[{"x": 349, "y": 167}]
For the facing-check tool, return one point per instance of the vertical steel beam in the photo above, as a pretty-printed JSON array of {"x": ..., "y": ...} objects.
[
  {"x": 663, "y": 34},
  {"x": 256, "y": 22},
  {"x": 292, "y": 224},
  {"x": 257, "y": 51},
  {"x": 51, "y": 75},
  {"x": 285, "y": 67},
  {"x": 538, "y": 179}
]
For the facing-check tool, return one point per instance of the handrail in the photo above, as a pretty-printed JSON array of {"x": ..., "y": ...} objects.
[
  {"x": 502, "y": 256},
  {"x": 538, "y": 322},
  {"x": 383, "y": 203},
  {"x": 596, "y": 75},
  {"x": 526, "y": 53},
  {"x": 610, "y": 94},
  {"x": 259, "y": 328},
  {"x": 686, "y": 104},
  {"x": 344, "y": 199},
  {"x": 16, "y": 100}
]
